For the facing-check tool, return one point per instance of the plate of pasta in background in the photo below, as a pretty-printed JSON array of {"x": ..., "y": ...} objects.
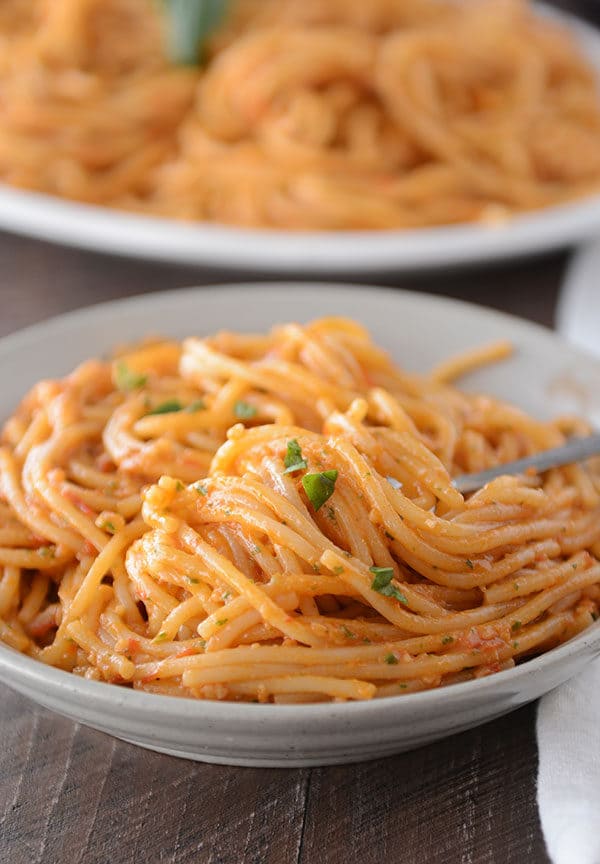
[
  {"x": 235, "y": 537},
  {"x": 310, "y": 135}
]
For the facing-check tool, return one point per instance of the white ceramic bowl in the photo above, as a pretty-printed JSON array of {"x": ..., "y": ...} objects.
[
  {"x": 107, "y": 230},
  {"x": 544, "y": 376}
]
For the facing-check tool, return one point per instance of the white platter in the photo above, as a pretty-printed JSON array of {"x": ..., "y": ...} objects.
[
  {"x": 111, "y": 231},
  {"x": 419, "y": 330}
]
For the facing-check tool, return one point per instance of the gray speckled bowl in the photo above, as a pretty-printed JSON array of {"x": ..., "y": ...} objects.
[{"x": 545, "y": 377}]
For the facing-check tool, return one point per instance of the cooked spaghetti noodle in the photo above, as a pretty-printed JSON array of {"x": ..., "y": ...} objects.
[
  {"x": 310, "y": 114},
  {"x": 272, "y": 518}
]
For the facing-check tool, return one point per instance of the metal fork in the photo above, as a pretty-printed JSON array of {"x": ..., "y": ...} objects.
[{"x": 576, "y": 450}]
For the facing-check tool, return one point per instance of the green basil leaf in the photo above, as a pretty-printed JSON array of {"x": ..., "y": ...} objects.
[
  {"x": 244, "y": 411},
  {"x": 294, "y": 460},
  {"x": 126, "y": 379},
  {"x": 319, "y": 487}
]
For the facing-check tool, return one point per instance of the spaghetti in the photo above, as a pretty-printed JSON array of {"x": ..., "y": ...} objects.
[
  {"x": 320, "y": 114},
  {"x": 271, "y": 517}
]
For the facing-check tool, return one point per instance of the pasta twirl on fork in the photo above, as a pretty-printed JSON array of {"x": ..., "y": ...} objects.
[{"x": 271, "y": 517}]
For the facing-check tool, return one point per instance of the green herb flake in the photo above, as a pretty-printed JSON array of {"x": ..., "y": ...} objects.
[
  {"x": 256, "y": 549},
  {"x": 197, "y": 405},
  {"x": 227, "y": 595},
  {"x": 244, "y": 411},
  {"x": 338, "y": 570},
  {"x": 447, "y": 640},
  {"x": 469, "y": 564},
  {"x": 46, "y": 551},
  {"x": 382, "y": 583},
  {"x": 171, "y": 406},
  {"x": 366, "y": 640},
  {"x": 179, "y": 486},
  {"x": 391, "y": 659},
  {"x": 294, "y": 460},
  {"x": 348, "y": 633},
  {"x": 200, "y": 489},
  {"x": 516, "y": 625},
  {"x": 109, "y": 526},
  {"x": 319, "y": 487},
  {"x": 126, "y": 379},
  {"x": 189, "y": 25},
  {"x": 515, "y": 645},
  {"x": 202, "y": 643},
  {"x": 403, "y": 686},
  {"x": 161, "y": 636},
  {"x": 516, "y": 586},
  {"x": 193, "y": 581},
  {"x": 221, "y": 622}
]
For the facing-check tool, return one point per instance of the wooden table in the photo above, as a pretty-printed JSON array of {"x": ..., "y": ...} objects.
[{"x": 69, "y": 795}]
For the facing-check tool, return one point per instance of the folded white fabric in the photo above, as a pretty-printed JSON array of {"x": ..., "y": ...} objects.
[
  {"x": 568, "y": 731},
  {"x": 568, "y": 723}
]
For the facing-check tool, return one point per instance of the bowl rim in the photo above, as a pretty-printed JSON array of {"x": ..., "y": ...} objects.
[{"x": 104, "y": 694}]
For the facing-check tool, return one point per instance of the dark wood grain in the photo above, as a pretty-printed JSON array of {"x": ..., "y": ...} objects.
[{"x": 38, "y": 280}]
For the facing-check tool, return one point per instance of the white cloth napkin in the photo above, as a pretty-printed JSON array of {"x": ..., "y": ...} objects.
[
  {"x": 568, "y": 723},
  {"x": 568, "y": 731}
]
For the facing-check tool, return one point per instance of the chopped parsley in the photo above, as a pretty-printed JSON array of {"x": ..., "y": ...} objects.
[
  {"x": 294, "y": 460},
  {"x": 515, "y": 645},
  {"x": 244, "y": 411},
  {"x": 469, "y": 564},
  {"x": 46, "y": 551},
  {"x": 200, "y": 489},
  {"x": 196, "y": 405},
  {"x": 382, "y": 583},
  {"x": 348, "y": 633},
  {"x": 193, "y": 581},
  {"x": 171, "y": 406},
  {"x": 391, "y": 659},
  {"x": 126, "y": 379},
  {"x": 516, "y": 625},
  {"x": 447, "y": 640},
  {"x": 221, "y": 622},
  {"x": 109, "y": 526},
  {"x": 319, "y": 487},
  {"x": 338, "y": 569},
  {"x": 161, "y": 636},
  {"x": 179, "y": 486}
]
